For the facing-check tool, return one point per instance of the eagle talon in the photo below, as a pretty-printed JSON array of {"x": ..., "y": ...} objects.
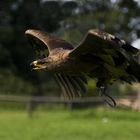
[{"x": 107, "y": 98}]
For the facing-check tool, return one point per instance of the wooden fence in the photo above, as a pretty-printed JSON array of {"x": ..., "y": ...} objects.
[
  {"x": 31, "y": 102},
  {"x": 47, "y": 99}
]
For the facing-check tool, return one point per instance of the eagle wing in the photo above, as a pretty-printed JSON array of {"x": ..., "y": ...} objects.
[
  {"x": 115, "y": 54},
  {"x": 99, "y": 42},
  {"x": 44, "y": 43}
]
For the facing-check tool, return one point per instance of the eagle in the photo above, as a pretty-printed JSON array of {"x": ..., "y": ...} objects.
[{"x": 100, "y": 55}]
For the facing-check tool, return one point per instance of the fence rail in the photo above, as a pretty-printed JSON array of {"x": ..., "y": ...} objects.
[
  {"x": 32, "y": 101},
  {"x": 126, "y": 101},
  {"x": 47, "y": 99}
]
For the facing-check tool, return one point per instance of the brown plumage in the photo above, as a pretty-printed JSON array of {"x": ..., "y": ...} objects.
[{"x": 100, "y": 55}]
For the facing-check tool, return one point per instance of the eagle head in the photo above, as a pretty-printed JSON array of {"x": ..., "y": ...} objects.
[{"x": 41, "y": 63}]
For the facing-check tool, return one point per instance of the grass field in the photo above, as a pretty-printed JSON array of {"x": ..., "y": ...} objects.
[{"x": 61, "y": 124}]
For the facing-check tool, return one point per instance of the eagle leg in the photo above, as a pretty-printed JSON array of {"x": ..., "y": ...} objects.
[{"x": 107, "y": 98}]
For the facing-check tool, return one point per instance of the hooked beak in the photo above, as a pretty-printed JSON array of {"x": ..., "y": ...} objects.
[{"x": 36, "y": 65}]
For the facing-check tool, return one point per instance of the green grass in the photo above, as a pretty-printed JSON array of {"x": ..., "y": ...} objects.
[{"x": 60, "y": 124}]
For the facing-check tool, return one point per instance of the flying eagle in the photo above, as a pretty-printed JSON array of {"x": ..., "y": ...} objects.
[{"x": 100, "y": 55}]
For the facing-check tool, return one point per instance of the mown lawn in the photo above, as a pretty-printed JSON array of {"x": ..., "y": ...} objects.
[{"x": 61, "y": 124}]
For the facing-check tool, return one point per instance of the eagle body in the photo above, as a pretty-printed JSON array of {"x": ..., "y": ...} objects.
[
  {"x": 100, "y": 55},
  {"x": 62, "y": 63}
]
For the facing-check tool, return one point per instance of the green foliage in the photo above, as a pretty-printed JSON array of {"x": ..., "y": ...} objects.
[
  {"x": 11, "y": 84},
  {"x": 92, "y": 89},
  {"x": 116, "y": 17}
]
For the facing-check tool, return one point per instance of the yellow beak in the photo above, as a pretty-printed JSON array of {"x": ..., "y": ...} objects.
[{"x": 36, "y": 66}]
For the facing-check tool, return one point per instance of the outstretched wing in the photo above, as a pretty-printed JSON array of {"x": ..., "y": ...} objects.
[
  {"x": 45, "y": 43},
  {"x": 115, "y": 54},
  {"x": 99, "y": 42}
]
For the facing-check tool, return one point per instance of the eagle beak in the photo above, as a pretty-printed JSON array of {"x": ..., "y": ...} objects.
[{"x": 35, "y": 66}]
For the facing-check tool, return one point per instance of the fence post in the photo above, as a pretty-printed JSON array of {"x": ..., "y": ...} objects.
[{"x": 31, "y": 106}]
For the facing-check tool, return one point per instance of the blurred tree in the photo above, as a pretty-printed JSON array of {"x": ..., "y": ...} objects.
[
  {"x": 68, "y": 19},
  {"x": 118, "y": 17},
  {"x": 16, "y": 16}
]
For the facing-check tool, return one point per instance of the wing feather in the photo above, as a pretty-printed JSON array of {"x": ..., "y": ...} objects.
[
  {"x": 64, "y": 86},
  {"x": 50, "y": 42},
  {"x": 72, "y": 86}
]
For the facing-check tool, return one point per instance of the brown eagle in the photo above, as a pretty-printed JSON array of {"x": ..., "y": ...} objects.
[{"x": 100, "y": 55}]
